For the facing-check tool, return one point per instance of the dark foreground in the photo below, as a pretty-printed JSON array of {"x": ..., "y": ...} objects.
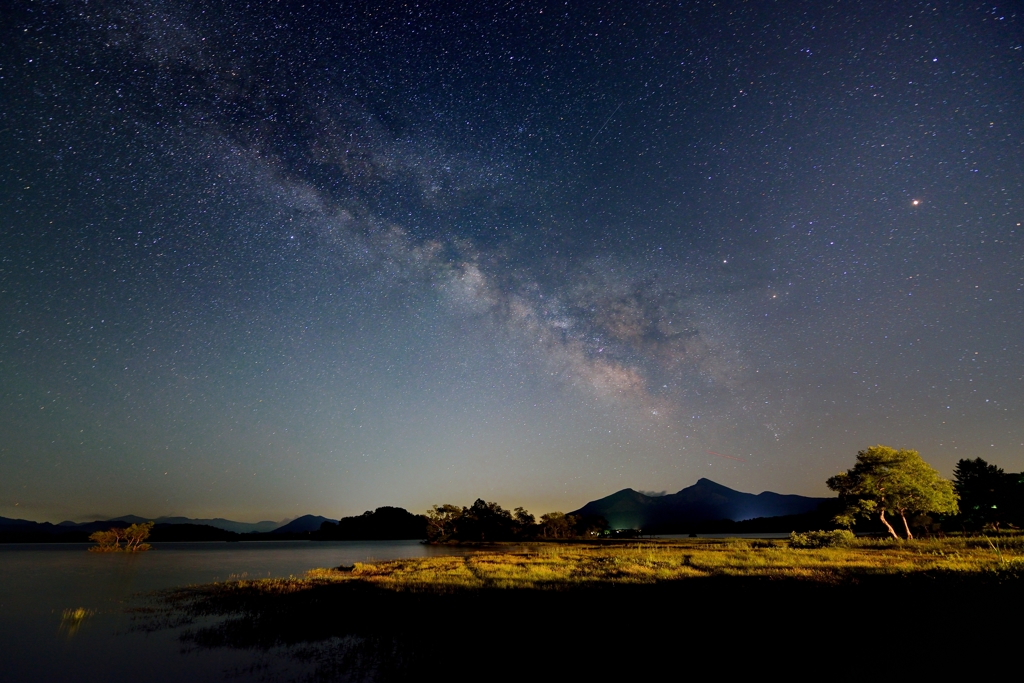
[{"x": 830, "y": 624}]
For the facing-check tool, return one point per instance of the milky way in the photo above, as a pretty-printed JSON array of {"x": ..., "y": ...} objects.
[{"x": 263, "y": 259}]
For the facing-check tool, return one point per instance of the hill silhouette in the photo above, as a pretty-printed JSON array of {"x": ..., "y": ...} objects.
[
  {"x": 216, "y": 522},
  {"x": 705, "y": 501},
  {"x": 384, "y": 523},
  {"x": 165, "y": 529},
  {"x": 303, "y": 524}
]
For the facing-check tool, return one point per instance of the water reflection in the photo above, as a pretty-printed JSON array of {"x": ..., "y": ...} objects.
[
  {"x": 63, "y": 611},
  {"x": 72, "y": 619}
]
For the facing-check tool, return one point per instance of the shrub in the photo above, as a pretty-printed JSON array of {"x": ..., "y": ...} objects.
[{"x": 840, "y": 538}]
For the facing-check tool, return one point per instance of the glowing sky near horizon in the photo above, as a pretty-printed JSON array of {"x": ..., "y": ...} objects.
[{"x": 269, "y": 258}]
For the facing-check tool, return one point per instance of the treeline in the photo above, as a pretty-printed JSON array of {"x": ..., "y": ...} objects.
[
  {"x": 483, "y": 521},
  {"x": 989, "y": 497},
  {"x": 382, "y": 524}
]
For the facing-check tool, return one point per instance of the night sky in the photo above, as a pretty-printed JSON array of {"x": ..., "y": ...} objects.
[{"x": 261, "y": 259}]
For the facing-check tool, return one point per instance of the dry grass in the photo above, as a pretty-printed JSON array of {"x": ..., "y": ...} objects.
[
  {"x": 565, "y": 566},
  {"x": 397, "y": 620}
]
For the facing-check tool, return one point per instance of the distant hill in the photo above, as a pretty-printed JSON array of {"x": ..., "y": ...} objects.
[
  {"x": 25, "y": 531},
  {"x": 18, "y": 530},
  {"x": 217, "y": 523},
  {"x": 303, "y": 524},
  {"x": 704, "y": 501},
  {"x": 7, "y": 521},
  {"x": 166, "y": 529},
  {"x": 384, "y": 523}
]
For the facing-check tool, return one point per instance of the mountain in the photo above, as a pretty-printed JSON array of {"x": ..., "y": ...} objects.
[
  {"x": 24, "y": 525},
  {"x": 225, "y": 524},
  {"x": 216, "y": 522},
  {"x": 7, "y": 521},
  {"x": 303, "y": 524},
  {"x": 26, "y": 531},
  {"x": 127, "y": 519},
  {"x": 704, "y": 501},
  {"x": 167, "y": 528}
]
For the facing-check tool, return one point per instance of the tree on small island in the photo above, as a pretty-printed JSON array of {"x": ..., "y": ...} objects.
[
  {"x": 109, "y": 541},
  {"x": 889, "y": 480}
]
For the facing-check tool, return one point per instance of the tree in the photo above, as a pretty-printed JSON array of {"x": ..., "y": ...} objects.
[
  {"x": 889, "y": 480},
  {"x": 109, "y": 541},
  {"x": 559, "y": 525},
  {"x": 484, "y": 521},
  {"x": 525, "y": 523},
  {"x": 986, "y": 493},
  {"x": 135, "y": 535},
  {"x": 443, "y": 522}
]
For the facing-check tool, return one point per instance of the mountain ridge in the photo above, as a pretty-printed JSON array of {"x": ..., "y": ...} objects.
[
  {"x": 216, "y": 522},
  {"x": 704, "y": 501},
  {"x": 303, "y": 524},
  {"x": 9, "y": 524}
]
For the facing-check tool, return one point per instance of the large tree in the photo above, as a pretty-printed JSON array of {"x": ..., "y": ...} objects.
[{"x": 896, "y": 481}]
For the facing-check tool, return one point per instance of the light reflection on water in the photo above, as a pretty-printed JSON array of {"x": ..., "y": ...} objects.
[{"x": 62, "y": 609}]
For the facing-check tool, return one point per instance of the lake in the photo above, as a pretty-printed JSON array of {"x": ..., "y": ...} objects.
[{"x": 38, "y": 582}]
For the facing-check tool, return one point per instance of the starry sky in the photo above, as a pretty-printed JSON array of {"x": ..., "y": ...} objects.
[{"x": 261, "y": 259}]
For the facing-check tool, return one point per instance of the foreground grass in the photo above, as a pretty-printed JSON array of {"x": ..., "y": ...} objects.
[
  {"x": 566, "y": 566},
  {"x": 393, "y": 620}
]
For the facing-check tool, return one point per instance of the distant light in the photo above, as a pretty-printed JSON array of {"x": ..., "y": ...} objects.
[{"x": 916, "y": 202}]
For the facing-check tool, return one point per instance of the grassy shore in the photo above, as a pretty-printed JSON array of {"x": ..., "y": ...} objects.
[
  {"x": 390, "y": 620},
  {"x": 562, "y": 566}
]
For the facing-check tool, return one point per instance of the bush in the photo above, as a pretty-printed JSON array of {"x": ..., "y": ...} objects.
[{"x": 840, "y": 538}]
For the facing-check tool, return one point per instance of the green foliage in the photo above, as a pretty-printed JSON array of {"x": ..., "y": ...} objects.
[
  {"x": 839, "y": 538},
  {"x": 889, "y": 480}
]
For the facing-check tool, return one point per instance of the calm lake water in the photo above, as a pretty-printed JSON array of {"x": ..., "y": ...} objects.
[{"x": 38, "y": 582}]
